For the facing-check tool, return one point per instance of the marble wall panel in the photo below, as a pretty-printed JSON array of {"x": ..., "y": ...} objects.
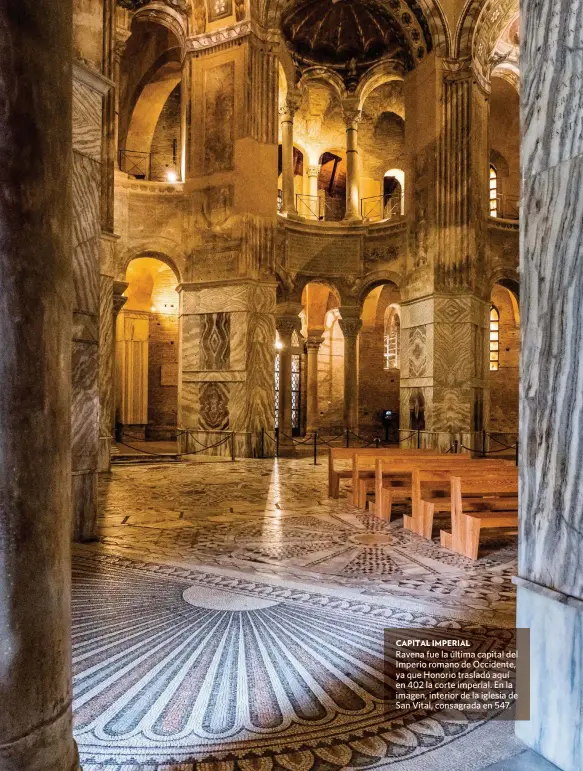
[
  {"x": 239, "y": 334},
  {"x": 190, "y": 342},
  {"x": 219, "y": 118},
  {"x": 213, "y": 400},
  {"x": 551, "y": 63},
  {"x": 556, "y": 675},
  {"x": 87, "y": 105},
  {"x": 216, "y": 299},
  {"x": 260, "y": 368},
  {"x": 106, "y": 370},
  {"x": 188, "y": 405},
  {"x": 86, "y": 233},
  {"x": 215, "y": 341},
  {"x": 85, "y": 406},
  {"x": 552, "y": 379}
]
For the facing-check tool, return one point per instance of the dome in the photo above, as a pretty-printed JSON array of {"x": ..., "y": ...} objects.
[{"x": 339, "y": 31}]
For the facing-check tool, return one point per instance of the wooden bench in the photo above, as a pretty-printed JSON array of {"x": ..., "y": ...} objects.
[
  {"x": 479, "y": 505},
  {"x": 431, "y": 489},
  {"x": 364, "y": 469},
  {"x": 336, "y": 454},
  {"x": 394, "y": 479}
]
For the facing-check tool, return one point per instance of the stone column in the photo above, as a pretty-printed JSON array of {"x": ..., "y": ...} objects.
[
  {"x": 287, "y": 112},
  {"x": 350, "y": 324},
  {"x": 550, "y": 586},
  {"x": 313, "y": 344},
  {"x": 352, "y": 116},
  {"x": 89, "y": 90},
  {"x": 314, "y": 205},
  {"x": 444, "y": 321},
  {"x": 106, "y": 350},
  {"x": 122, "y": 37},
  {"x": 35, "y": 386},
  {"x": 287, "y": 322}
]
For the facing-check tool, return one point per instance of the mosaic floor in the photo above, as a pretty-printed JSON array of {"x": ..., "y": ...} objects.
[{"x": 231, "y": 617}]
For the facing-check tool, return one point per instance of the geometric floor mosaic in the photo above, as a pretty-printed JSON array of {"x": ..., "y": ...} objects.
[{"x": 232, "y": 617}]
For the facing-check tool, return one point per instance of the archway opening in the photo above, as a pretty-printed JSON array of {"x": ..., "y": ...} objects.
[
  {"x": 379, "y": 361},
  {"x": 147, "y": 353},
  {"x": 504, "y": 355}
]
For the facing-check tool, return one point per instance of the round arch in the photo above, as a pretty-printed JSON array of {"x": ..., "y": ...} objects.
[{"x": 170, "y": 257}]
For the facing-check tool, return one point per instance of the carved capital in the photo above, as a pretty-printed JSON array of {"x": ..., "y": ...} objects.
[
  {"x": 350, "y": 326},
  {"x": 456, "y": 70},
  {"x": 291, "y": 105},
  {"x": 352, "y": 113},
  {"x": 313, "y": 171},
  {"x": 287, "y": 325},
  {"x": 314, "y": 342}
]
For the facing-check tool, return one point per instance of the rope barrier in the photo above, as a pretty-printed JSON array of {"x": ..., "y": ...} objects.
[
  {"x": 181, "y": 454},
  {"x": 504, "y": 446}
]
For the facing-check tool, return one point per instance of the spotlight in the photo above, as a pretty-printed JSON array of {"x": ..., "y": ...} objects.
[{"x": 172, "y": 177}]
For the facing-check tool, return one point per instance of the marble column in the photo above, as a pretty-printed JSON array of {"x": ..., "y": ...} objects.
[
  {"x": 118, "y": 302},
  {"x": 89, "y": 89},
  {"x": 350, "y": 324},
  {"x": 352, "y": 117},
  {"x": 287, "y": 322},
  {"x": 287, "y": 112},
  {"x": 445, "y": 303},
  {"x": 313, "y": 344},
  {"x": 35, "y": 386},
  {"x": 550, "y": 583},
  {"x": 314, "y": 205}
]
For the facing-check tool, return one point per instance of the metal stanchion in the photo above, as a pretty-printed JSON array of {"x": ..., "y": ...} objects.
[
  {"x": 377, "y": 443},
  {"x": 418, "y": 438},
  {"x": 517, "y": 455},
  {"x": 315, "y": 448},
  {"x": 263, "y": 443},
  {"x": 277, "y": 442},
  {"x": 456, "y": 446},
  {"x": 347, "y": 440},
  {"x": 483, "y": 443},
  {"x": 233, "y": 446}
]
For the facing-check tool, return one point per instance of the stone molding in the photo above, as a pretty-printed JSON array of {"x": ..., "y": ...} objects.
[
  {"x": 83, "y": 73},
  {"x": 550, "y": 594}
]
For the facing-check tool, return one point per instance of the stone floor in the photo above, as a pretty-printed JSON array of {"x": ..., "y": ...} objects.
[{"x": 231, "y": 616}]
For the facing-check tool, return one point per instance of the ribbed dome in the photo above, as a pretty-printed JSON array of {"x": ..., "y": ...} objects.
[{"x": 337, "y": 31}]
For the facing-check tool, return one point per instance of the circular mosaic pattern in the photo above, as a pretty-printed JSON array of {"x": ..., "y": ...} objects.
[{"x": 172, "y": 665}]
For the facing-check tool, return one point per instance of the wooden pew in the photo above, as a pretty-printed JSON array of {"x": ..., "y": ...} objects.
[
  {"x": 336, "y": 454},
  {"x": 479, "y": 505},
  {"x": 394, "y": 479},
  {"x": 431, "y": 489},
  {"x": 364, "y": 465}
]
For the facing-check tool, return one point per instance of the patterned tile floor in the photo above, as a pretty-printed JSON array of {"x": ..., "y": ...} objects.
[{"x": 231, "y": 616}]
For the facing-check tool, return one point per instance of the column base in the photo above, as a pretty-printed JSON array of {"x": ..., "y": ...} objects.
[
  {"x": 50, "y": 748},
  {"x": 555, "y": 728}
]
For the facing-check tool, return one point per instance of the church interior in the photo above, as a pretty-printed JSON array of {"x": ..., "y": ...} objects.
[{"x": 291, "y": 318}]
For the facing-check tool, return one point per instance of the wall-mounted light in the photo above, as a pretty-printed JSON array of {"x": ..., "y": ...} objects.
[
  {"x": 171, "y": 176},
  {"x": 278, "y": 345}
]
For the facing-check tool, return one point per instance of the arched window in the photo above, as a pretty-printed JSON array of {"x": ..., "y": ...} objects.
[
  {"x": 493, "y": 191},
  {"x": 494, "y": 339},
  {"x": 392, "y": 346},
  {"x": 393, "y": 194}
]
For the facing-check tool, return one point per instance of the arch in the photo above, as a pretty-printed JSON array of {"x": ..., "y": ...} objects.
[
  {"x": 148, "y": 108},
  {"x": 326, "y": 76},
  {"x": 163, "y": 14},
  {"x": 399, "y": 176},
  {"x": 381, "y": 73},
  {"x": 392, "y": 337},
  {"x": 372, "y": 280},
  {"x": 480, "y": 26},
  {"x": 158, "y": 249}
]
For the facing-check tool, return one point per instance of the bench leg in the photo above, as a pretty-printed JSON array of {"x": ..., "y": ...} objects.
[
  {"x": 427, "y": 511},
  {"x": 334, "y": 486},
  {"x": 362, "y": 490},
  {"x": 446, "y": 539},
  {"x": 471, "y": 537},
  {"x": 386, "y": 505}
]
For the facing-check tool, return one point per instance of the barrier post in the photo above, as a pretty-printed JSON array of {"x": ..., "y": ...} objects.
[
  {"x": 418, "y": 438},
  {"x": 456, "y": 446},
  {"x": 315, "y": 448},
  {"x": 348, "y": 437},
  {"x": 263, "y": 443},
  {"x": 517, "y": 456},
  {"x": 277, "y": 442},
  {"x": 233, "y": 446},
  {"x": 483, "y": 443}
]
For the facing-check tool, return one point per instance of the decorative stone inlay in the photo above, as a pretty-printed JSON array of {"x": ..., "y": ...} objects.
[{"x": 218, "y": 599}]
